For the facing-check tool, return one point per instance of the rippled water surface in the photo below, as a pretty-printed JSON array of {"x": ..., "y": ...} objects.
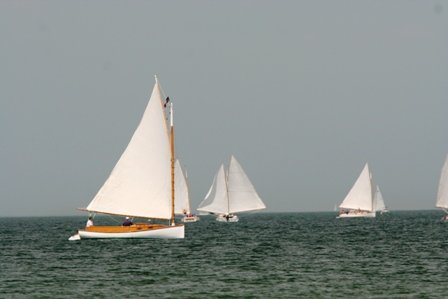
[{"x": 278, "y": 255}]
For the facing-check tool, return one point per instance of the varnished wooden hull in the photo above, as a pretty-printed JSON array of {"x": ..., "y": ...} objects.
[{"x": 134, "y": 231}]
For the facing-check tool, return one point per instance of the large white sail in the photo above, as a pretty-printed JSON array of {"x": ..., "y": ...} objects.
[
  {"x": 216, "y": 201},
  {"x": 379, "y": 201},
  {"x": 182, "y": 196},
  {"x": 442, "y": 194},
  {"x": 140, "y": 183},
  {"x": 231, "y": 193},
  {"x": 242, "y": 194},
  {"x": 361, "y": 194}
]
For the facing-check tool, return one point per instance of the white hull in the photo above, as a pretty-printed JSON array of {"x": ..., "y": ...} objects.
[
  {"x": 75, "y": 237},
  {"x": 230, "y": 218},
  {"x": 445, "y": 217},
  {"x": 169, "y": 232},
  {"x": 357, "y": 214},
  {"x": 186, "y": 219}
]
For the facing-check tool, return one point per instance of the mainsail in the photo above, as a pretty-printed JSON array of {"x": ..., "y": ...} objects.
[
  {"x": 442, "y": 194},
  {"x": 360, "y": 197},
  {"x": 379, "y": 201},
  {"x": 216, "y": 201},
  {"x": 232, "y": 192},
  {"x": 241, "y": 192},
  {"x": 140, "y": 183}
]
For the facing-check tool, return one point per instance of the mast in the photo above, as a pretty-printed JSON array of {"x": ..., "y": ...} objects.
[{"x": 172, "y": 163}]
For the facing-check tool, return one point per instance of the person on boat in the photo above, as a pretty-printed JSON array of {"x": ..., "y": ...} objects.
[
  {"x": 89, "y": 222},
  {"x": 127, "y": 222}
]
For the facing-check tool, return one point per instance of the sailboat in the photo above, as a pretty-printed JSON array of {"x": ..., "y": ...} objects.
[
  {"x": 442, "y": 194},
  {"x": 380, "y": 206},
  {"x": 231, "y": 192},
  {"x": 360, "y": 200},
  {"x": 141, "y": 185},
  {"x": 182, "y": 205}
]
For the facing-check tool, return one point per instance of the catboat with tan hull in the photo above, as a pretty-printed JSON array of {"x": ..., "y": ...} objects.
[
  {"x": 138, "y": 230},
  {"x": 142, "y": 183}
]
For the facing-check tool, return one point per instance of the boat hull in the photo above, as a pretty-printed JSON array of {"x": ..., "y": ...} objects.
[
  {"x": 136, "y": 231},
  {"x": 229, "y": 218},
  {"x": 190, "y": 218},
  {"x": 357, "y": 214},
  {"x": 445, "y": 217}
]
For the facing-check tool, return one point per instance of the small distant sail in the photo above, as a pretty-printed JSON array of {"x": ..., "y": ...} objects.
[
  {"x": 442, "y": 194},
  {"x": 379, "y": 201},
  {"x": 232, "y": 192},
  {"x": 360, "y": 195},
  {"x": 216, "y": 200},
  {"x": 182, "y": 196}
]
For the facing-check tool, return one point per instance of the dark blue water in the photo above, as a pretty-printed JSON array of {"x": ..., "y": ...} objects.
[{"x": 278, "y": 255}]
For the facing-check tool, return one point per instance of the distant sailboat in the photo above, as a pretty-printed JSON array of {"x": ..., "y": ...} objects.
[
  {"x": 142, "y": 182},
  {"x": 442, "y": 194},
  {"x": 231, "y": 193},
  {"x": 380, "y": 206},
  {"x": 360, "y": 201},
  {"x": 182, "y": 205}
]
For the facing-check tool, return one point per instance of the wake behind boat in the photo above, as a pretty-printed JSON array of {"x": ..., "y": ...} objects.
[
  {"x": 142, "y": 182},
  {"x": 231, "y": 193},
  {"x": 360, "y": 201}
]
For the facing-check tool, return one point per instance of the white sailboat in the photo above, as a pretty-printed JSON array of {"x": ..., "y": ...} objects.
[
  {"x": 182, "y": 205},
  {"x": 231, "y": 193},
  {"x": 141, "y": 184},
  {"x": 380, "y": 206},
  {"x": 359, "y": 202},
  {"x": 442, "y": 193}
]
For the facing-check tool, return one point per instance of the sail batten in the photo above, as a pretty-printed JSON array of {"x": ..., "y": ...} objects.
[
  {"x": 442, "y": 193},
  {"x": 140, "y": 183}
]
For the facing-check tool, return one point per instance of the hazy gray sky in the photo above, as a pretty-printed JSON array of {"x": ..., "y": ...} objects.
[{"x": 303, "y": 93}]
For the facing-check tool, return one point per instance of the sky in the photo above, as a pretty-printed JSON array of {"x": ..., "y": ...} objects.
[{"x": 303, "y": 93}]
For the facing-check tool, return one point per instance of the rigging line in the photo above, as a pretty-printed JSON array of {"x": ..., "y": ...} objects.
[{"x": 113, "y": 219}]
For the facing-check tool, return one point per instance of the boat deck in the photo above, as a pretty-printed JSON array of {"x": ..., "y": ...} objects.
[{"x": 125, "y": 229}]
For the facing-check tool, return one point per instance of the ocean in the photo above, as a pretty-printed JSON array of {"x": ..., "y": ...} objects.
[{"x": 265, "y": 255}]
